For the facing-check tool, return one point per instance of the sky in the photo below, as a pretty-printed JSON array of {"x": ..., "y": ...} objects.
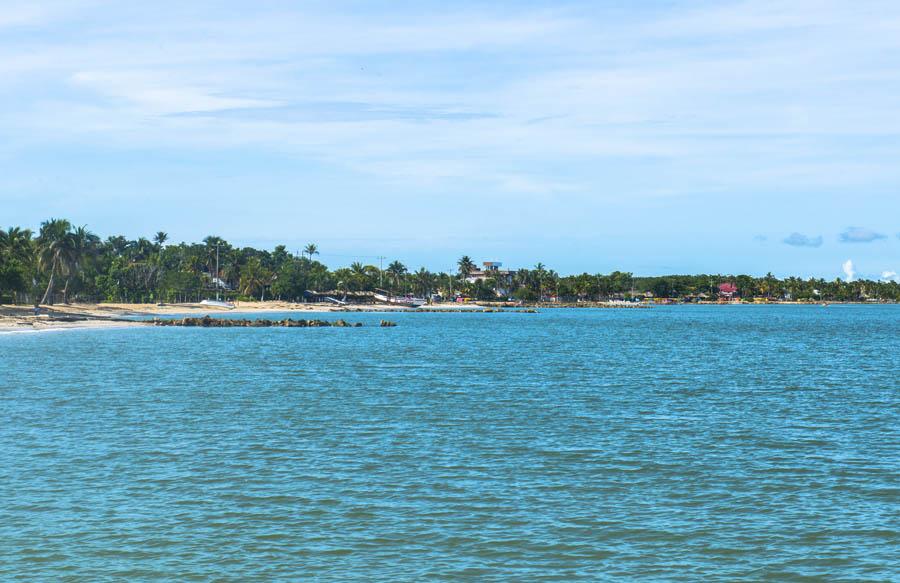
[{"x": 654, "y": 137}]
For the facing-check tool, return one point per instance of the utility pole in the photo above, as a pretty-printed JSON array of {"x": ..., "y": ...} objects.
[
  {"x": 217, "y": 271},
  {"x": 381, "y": 271}
]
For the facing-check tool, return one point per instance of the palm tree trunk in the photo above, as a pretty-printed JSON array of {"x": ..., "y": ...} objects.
[
  {"x": 66, "y": 291},
  {"x": 50, "y": 283}
]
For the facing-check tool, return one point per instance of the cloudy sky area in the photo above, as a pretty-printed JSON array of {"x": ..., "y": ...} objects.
[{"x": 655, "y": 137}]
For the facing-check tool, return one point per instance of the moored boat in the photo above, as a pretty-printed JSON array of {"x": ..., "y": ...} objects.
[
  {"x": 407, "y": 301},
  {"x": 218, "y": 304}
]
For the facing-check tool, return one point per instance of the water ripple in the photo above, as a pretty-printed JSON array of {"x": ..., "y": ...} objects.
[{"x": 677, "y": 444}]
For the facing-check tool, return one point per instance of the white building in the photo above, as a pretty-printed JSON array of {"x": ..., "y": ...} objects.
[{"x": 494, "y": 270}]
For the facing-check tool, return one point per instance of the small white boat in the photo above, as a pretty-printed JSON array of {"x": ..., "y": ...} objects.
[
  {"x": 217, "y": 304},
  {"x": 406, "y": 301}
]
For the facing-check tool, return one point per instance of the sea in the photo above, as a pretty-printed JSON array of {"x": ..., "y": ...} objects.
[{"x": 677, "y": 443}]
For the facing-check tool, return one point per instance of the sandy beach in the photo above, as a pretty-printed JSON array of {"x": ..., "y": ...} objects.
[{"x": 112, "y": 315}]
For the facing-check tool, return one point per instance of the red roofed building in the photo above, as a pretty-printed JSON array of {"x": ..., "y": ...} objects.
[{"x": 727, "y": 291}]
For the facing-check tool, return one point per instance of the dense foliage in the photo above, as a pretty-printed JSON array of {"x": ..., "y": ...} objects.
[{"x": 62, "y": 263}]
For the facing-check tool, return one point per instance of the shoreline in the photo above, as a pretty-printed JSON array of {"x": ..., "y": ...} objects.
[{"x": 21, "y": 319}]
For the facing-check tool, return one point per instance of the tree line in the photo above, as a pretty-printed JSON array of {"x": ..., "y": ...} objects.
[{"x": 64, "y": 263}]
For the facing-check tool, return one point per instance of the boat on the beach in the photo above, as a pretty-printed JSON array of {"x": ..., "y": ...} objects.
[
  {"x": 407, "y": 301},
  {"x": 218, "y": 304}
]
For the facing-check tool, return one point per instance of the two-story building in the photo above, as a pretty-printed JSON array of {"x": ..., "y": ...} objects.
[{"x": 494, "y": 270}]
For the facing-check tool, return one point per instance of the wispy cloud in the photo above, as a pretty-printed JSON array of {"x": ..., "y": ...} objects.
[
  {"x": 890, "y": 276},
  {"x": 666, "y": 86},
  {"x": 801, "y": 240},
  {"x": 860, "y": 235},
  {"x": 591, "y": 104}
]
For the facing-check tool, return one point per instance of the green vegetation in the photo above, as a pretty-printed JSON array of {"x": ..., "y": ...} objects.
[{"x": 63, "y": 263}]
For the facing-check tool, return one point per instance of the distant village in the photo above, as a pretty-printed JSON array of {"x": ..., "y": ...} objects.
[{"x": 61, "y": 263}]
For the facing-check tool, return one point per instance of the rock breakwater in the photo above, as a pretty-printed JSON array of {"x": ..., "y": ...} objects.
[{"x": 208, "y": 322}]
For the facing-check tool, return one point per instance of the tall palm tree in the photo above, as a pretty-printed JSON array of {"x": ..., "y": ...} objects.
[
  {"x": 160, "y": 238},
  {"x": 117, "y": 244},
  {"x": 142, "y": 249},
  {"x": 396, "y": 270},
  {"x": 363, "y": 276},
  {"x": 82, "y": 250},
  {"x": 540, "y": 274},
  {"x": 15, "y": 243},
  {"x": 357, "y": 276},
  {"x": 310, "y": 250},
  {"x": 466, "y": 266},
  {"x": 254, "y": 276},
  {"x": 54, "y": 250},
  {"x": 424, "y": 281},
  {"x": 16, "y": 259}
]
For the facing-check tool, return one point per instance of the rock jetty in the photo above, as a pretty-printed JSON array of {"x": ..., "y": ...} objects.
[
  {"x": 466, "y": 310},
  {"x": 208, "y": 322}
]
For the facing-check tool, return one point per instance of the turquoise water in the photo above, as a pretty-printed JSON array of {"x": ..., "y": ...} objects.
[{"x": 686, "y": 443}]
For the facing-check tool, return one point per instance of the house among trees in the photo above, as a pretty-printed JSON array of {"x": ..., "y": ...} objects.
[
  {"x": 217, "y": 283},
  {"x": 493, "y": 272},
  {"x": 727, "y": 291}
]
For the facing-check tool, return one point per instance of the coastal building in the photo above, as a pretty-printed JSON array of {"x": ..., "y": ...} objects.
[
  {"x": 217, "y": 283},
  {"x": 493, "y": 270},
  {"x": 727, "y": 291}
]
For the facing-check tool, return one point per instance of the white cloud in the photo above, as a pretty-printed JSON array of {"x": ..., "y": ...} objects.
[
  {"x": 849, "y": 270},
  {"x": 745, "y": 95}
]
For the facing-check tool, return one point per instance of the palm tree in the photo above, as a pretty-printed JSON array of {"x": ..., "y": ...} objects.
[
  {"x": 160, "y": 238},
  {"x": 15, "y": 243},
  {"x": 466, "y": 266},
  {"x": 117, "y": 244},
  {"x": 397, "y": 270},
  {"x": 424, "y": 282},
  {"x": 254, "y": 276},
  {"x": 310, "y": 250},
  {"x": 82, "y": 249},
  {"x": 357, "y": 276},
  {"x": 540, "y": 273},
  {"x": 141, "y": 249},
  {"x": 54, "y": 250},
  {"x": 16, "y": 259}
]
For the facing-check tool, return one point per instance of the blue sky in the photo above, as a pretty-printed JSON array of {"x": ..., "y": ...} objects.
[{"x": 655, "y": 137}]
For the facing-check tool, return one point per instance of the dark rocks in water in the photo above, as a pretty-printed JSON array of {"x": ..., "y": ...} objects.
[
  {"x": 387, "y": 324},
  {"x": 208, "y": 322}
]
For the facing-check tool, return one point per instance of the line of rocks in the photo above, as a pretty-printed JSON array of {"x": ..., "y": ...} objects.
[
  {"x": 440, "y": 310},
  {"x": 208, "y": 322}
]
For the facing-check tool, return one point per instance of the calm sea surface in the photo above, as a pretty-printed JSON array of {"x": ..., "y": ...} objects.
[{"x": 684, "y": 443}]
